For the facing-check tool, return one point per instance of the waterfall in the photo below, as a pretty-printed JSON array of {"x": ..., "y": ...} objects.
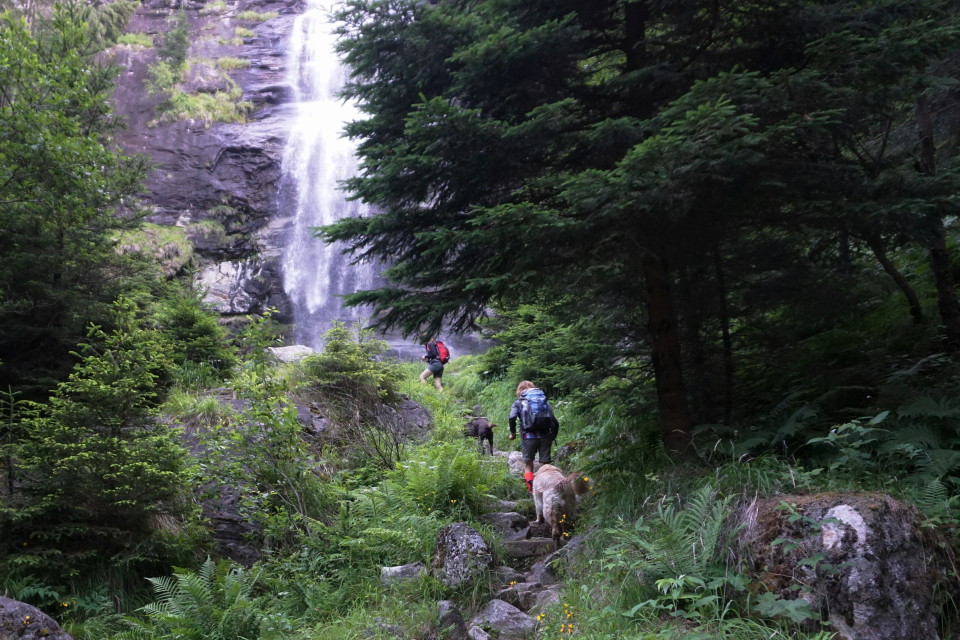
[{"x": 316, "y": 157}]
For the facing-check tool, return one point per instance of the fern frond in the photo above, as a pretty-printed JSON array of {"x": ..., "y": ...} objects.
[{"x": 929, "y": 407}]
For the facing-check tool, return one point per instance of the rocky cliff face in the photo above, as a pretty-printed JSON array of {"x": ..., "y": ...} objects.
[{"x": 216, "y": 183}]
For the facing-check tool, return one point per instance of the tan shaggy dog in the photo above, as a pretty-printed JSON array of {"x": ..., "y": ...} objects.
[{"x": 555, "y": 498}]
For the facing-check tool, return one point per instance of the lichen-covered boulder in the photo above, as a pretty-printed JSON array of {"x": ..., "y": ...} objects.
[
  {"x": 402, "y": 573},
  {"x": 291, "y": 353},
  {"x": 504, "y": 620},
  {"x": 461, "y": 556},
  {"x": 20, "y": 621},
  {"x": 859, "y": 560}
]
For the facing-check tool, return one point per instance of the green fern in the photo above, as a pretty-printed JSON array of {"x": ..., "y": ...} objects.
[
  {"x": 681, "y": 540},
  {"x": 214, "y": 603}
]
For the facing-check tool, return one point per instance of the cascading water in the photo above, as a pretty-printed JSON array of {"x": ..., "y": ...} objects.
[{"x": 316, "y": 157}]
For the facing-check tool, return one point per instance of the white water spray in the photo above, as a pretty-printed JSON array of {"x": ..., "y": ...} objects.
[{"x": 316, "y": 157}]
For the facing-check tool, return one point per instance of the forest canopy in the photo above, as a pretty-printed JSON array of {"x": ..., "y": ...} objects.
[{"x": 710, "y": 182}]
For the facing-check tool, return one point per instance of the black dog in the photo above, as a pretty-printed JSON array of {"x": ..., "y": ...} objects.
[{"x": 481, "y": 429}]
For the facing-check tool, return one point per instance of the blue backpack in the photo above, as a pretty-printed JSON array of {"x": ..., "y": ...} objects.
[{"x": 536, "y": 414}]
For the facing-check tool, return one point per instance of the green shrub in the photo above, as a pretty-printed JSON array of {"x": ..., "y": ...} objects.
[
  {"x": 176, "y": 42},
  {"x": 228, "y": 63},
  {"x": 253, "y": 16},
  {"x": 217, "y": 6},
  {"x": 442, "y": 479},
  {"x": 216, "y": 107},
  {"x": 163, "y": 77},
  {"x": 358, "y": 391},
  {"x": 136, "y": 39},
  {"x": 118, "y": 467},
  {"x": 198, "y": 343}
]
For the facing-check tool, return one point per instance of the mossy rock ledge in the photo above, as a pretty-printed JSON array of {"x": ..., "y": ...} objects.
[{"x": 861, "y": 562}]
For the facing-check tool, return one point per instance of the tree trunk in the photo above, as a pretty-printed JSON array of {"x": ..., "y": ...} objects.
[
  {"x": 675, "y": 423},
  {"x": 916, "y": 312},
  {"x": 937, "y": 247},
  {"x": 728, "y": 375},
  {"x": 695, "y": 352}
]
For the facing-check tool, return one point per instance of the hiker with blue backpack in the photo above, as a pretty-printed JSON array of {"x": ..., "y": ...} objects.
[
  {"x": 436, "y": 356},
  {"x": 538, "y": 427}
]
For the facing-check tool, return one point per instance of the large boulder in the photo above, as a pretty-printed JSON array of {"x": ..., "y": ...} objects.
[
  {"x": 859, "y": 560},
  {"x": 462, "y": 555},
  {"x": 20, "y": 621},
  {"x": 504, "y": 620}
]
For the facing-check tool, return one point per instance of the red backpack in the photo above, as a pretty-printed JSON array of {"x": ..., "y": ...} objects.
[{"x": 443, "y": 352}]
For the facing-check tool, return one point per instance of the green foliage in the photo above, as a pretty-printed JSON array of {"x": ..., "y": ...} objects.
[
  {"x": 228, "y": 63},
  {"x": 198, "y": 342},
  {"x": 163, "y": 76},
  {"x": 253, "y": 16},
  {"x": 117, "y": 466},
  {"x": 108, "y": 21},
  {"x": 62, "y": 187},
  {"x": 553, "y": 344},
  {"x": 680, "y": 540},
  {"x": 259, "y": 452},
  {"x": 167, "y": 247},
  {"x": 143, "y": 40},
  {"x": 358, "y": 391},
  {"x": 219, "y": 106},
  {"x": 215, "y": 7},
  {"x": 444, "y": 479},
  {"x": 176, "y": 42},
  {"x": 215, "y": 603}
]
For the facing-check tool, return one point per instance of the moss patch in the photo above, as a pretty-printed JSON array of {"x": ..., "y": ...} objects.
[{"x": 169, "y": 246}]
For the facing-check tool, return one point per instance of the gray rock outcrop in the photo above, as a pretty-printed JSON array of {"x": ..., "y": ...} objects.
[
  {"x": 20, "y": 621},
  {"x": 462, "y": 555},
  {"x": 859, "y": 559},
  {"x": 217, "y": 181},
  {"x": 505, "y": 620}
]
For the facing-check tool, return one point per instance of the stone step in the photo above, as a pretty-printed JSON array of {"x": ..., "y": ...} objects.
[{"x": 528, "y": 548}]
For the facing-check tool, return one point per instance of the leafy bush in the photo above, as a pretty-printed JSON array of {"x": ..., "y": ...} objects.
[
  {"x": 176, "y": 42},
  {"x": 197, "y": 340},
  {"x": 358, "y": 391},
  {"x": 229, "y": 63},
  {"x": 163, "y": 76},
  {"x": 217, "y": 6},
  {"x": 259, "y": 452},
  {"x": 95, "y": 466},
  {"x": 206, "y": 107},
  {"x": 444, "y": 479}
]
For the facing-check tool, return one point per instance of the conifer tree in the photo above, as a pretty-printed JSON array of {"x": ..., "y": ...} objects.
[
  {"x": 517, "y": 151},
  {"x": 93, "y": 465},
  {"x": 62, "y": 190}
]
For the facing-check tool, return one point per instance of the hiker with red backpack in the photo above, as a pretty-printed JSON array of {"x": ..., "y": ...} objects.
[{"x": 436, "y": 356}]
